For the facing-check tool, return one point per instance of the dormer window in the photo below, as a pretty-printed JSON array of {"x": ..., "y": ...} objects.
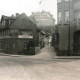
[{"x": 3, "y": 23}]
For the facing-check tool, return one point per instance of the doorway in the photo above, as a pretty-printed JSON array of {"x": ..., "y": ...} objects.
[{"x": 76, "y": 43}]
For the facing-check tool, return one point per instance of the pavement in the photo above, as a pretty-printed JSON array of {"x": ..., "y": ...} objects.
[
  {"x": 43, "y": 66},
  {"x": 48, "y": 52}
]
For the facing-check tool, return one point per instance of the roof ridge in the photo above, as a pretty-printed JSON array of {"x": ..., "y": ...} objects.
[{"x": 22, "y": 22}]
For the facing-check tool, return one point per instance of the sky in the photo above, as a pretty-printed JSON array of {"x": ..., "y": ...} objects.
[{"x": 9, "y": 7}]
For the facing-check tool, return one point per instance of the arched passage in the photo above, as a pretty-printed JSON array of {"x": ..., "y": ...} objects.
[{"x": 76, "y": 43}]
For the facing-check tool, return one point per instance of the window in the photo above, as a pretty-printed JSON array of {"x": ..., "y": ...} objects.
[
  {"x": 59, "y": 1},
  {"x": 59, "y": 7},
  {"x": 79, "y": 16},
  {"x": 6, "y": 45},
  {"x": 13, "y": 32},
  {"x": 77, "y": 5},
  {"x": 24, "y": 32},
  {"x": 8, "y": 32},
  {"x": 59, "y": 17},
  {"x": 75, "y": 16},
  {"x": 14, "y": 45},
  {"x": 19, "y": 32},
  {"x": 66, "y": 0},
  {"x": 3, "y": 23},
  {"x": 9, "y": 22},
  {"x": 25, "y": 45},
  {"x": 66, "y": 16},
  {"x": 3, "y": 33}
]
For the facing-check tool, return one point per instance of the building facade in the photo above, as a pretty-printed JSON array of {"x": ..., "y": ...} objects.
[
  {"x": 68, "y": 27},
  {"x": 18, "y": 35}
]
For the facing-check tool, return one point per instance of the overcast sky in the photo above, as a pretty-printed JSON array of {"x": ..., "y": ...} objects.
[{"x": 9, "y": 7}]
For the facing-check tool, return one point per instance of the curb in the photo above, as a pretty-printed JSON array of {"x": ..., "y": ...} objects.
[
  {"x": 3, "y": 54},
  {"x": 64, "y": 57},
  {"x": 56, "y": 57}
]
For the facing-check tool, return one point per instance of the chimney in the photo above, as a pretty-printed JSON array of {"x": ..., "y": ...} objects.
[
  {"x": 17, "y": 14},
  {"x": 12, "y": 16}
]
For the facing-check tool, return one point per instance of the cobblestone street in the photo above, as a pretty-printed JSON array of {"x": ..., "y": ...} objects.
[{"x": 39, "y": 67}]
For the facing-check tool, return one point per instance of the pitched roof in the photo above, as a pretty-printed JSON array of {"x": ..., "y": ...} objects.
[
  {"x": 22, "y": 22},
  {"x": 7, "y": 17}
]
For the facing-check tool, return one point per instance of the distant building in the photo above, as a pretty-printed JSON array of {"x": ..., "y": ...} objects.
[
  {"x": 44, "y": 21},
  {"x": 18, "y": 35},
  {"x": 69, "y": 27}
]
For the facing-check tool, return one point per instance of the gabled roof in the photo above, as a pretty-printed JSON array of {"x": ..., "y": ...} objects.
[
  {"x": 7, "y": 17},
  {"x": 4, "y": 17},
  {"x": 22, "y": 22},
  {"x": 45, "y": 33}
]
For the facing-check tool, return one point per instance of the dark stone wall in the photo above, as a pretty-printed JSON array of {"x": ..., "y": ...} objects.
[{"x": 17, "y": 46}]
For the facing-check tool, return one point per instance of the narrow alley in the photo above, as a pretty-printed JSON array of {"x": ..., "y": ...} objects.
[{"x": 46, "y": 53}]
